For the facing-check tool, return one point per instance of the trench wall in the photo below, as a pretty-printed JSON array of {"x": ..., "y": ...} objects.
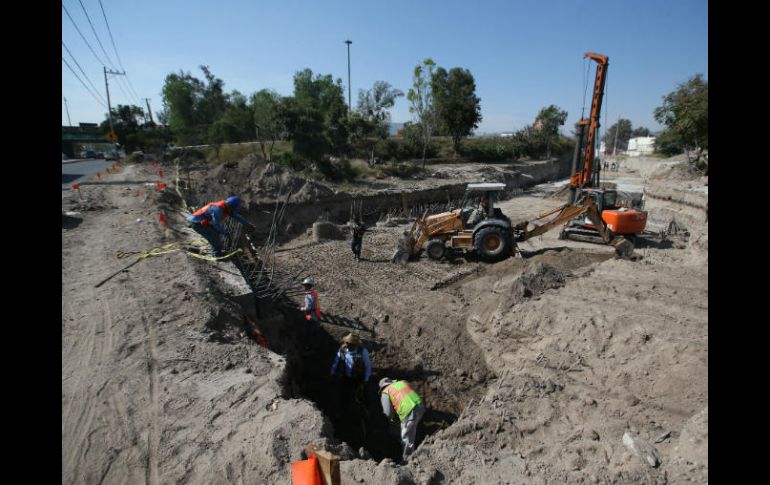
[{"x": 337, "y": 207}]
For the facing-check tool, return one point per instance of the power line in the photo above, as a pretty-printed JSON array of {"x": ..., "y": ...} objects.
[
  {"x": 112, "y": 40},
  {"x": 128, "y": 97},
  {"x": 82, "y": 36},
  {"x": 128, "y": 93},
  {"x": 81, "y": 82},
  {"x": 81, "y": 70},
  {"x": 112, "y": 64},
  {"x": 109, "y": 31}
]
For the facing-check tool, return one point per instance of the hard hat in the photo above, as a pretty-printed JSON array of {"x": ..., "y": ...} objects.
[
  {"x": 233, "y": 201},
  {"x": 351, "y": 339},
  {"x": 385, "y": 382},
  {"x": 308, "y": 281}
]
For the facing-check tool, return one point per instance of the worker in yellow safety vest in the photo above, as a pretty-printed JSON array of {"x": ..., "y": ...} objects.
[{"x": 399, "y": 399}]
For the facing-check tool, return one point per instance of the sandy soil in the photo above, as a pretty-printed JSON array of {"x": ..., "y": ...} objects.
[{"x": 532, "y": 368}]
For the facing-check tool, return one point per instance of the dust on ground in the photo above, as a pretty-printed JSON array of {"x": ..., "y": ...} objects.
[{"x": 532, "y": 368}]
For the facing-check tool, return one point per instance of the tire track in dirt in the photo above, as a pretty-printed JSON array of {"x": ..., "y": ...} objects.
[
  {"x": 153, "y": 438},
  {"x": 78, "y": 412}
]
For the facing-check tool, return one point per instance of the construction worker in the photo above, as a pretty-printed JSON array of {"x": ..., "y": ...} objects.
[
  {"x": 358, "y": 237},
  {"x": 356, "y": 368},
  {"x": 399, "y": 399},
  {"x": 207, "y": 221},
  {"x": 479, "y": 214},
  {"x": 312, "y": 311}
]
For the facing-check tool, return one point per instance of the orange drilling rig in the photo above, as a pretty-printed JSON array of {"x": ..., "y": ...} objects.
[{"x": 591, "y": 214}]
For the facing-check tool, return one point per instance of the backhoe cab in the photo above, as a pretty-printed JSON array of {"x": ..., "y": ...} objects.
[{"x": 479, "y": 227}]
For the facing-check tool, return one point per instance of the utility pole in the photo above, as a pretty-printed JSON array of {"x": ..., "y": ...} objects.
[
  {"x": 147, "y": 100},
  {"x": 615, "y": 143},
  {"x": 69, "y": 122},
  {"x": 107, "y": 86},
  {"x": 350, "y": 106}
]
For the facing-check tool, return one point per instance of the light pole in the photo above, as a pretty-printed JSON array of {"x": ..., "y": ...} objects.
[
  {"x": 68, "y": 112},
  {"x": 350, "y": 106}
]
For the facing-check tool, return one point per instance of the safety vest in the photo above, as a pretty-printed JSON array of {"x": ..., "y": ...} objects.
[
  {"x": 316, "y": 307},
  {"x": 222, "y": 204},
  {"x": 403, "y": 398}
]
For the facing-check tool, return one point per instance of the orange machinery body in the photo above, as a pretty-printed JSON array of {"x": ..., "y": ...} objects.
[{"x": 623, "y": 221}]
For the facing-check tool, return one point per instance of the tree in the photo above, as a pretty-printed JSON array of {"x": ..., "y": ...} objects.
[
  {"x": 623, "y": 129},
  {"x": 685, "y": 112},
  {"x": 213, "y": 102},
  {"x": 370, "y": 121},
  {"x": 420, "y": 96},
  {"x": 457, "y": 106},
  {"x": 126, "y": 121},
  {"x": 641, "y": 131},
  {"x": 162, "y": 116},
  {"x": 192, "y": 105},
  {"x": 316, "y": 116},
  {"x": 548, "y": 122},
  {"x": 668, "y": 143},
  {"x": 236, "y": 124},
  {"x": 268, "y": 122}
]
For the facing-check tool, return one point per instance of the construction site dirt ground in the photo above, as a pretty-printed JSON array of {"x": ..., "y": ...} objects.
[{"x": 532, "y": 369}]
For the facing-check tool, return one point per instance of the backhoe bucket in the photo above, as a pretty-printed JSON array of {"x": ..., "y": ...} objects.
[
  {"x": 404, "y": 249},
  {"x": 623, "y": 247},
  {"x": 400, "y": 256}
]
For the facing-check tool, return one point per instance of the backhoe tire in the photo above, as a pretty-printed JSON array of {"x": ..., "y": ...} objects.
[
  {"x": 492, "y": 244},
  {"x": 435, "y": 249}
]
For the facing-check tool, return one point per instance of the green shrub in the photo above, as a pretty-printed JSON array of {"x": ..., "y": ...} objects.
[
  {"x": 338, "y": 170},
  {"x": 291, "y": 161},
  {"x": 491, "y": 149},
  {"x": 400, "y": 170}
]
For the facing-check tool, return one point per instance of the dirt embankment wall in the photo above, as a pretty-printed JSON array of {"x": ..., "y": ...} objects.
[
  {"x": 337, "y": 206},
  {"x": 665, "y": 203}
]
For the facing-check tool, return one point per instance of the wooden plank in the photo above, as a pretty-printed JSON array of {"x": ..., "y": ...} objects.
[{"x": 329, "y": 464}]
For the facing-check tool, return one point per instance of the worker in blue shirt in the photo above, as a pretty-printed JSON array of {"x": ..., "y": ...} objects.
[
  {"x": 207, "y": 221},
  {"x": 356, "y": 368}
]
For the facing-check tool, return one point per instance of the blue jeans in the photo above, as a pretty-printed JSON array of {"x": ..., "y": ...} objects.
[{"x": 210, "y": 235}]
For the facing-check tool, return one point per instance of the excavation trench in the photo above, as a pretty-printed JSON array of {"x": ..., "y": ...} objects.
[{"x": 445, "y": 385}]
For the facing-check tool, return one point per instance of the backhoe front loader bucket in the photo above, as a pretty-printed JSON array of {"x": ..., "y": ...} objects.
[{"x": 404, "y": 249}]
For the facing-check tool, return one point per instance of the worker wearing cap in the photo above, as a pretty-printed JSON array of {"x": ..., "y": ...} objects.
[
  {"x": 207, "y": 221},
  {"x": 356, "y": 368},
  {"x": 399, "y": 399}
]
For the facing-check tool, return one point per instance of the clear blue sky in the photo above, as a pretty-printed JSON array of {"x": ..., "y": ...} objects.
[{"x": 524, "y": 55}]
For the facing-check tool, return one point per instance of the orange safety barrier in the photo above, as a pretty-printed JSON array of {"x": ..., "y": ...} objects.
[{"x": 305, "y": 472}]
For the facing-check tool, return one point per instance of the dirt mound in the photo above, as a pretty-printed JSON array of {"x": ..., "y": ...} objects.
[
  {"x": 92, "y": 199},
  {"x": 536, "y": 279},
  {"x": 259, "y": 181},
  {"x": 691, "y": 450},
  {"x": 674, "y": 172}
]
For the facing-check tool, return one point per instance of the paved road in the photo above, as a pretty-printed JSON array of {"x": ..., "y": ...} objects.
[{"x": 76, "y": 172}]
